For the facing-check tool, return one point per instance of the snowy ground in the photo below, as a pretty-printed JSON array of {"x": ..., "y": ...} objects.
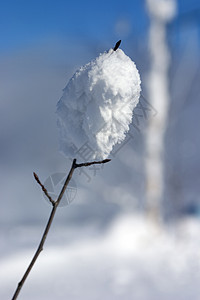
[{"x": 132, "y": 259}]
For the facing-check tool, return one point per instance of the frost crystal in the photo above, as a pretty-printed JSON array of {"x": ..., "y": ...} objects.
[{"x": 97, "y": 105}]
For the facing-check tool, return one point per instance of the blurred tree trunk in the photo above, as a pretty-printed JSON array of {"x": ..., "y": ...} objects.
[{"x": 161, "y": 12}]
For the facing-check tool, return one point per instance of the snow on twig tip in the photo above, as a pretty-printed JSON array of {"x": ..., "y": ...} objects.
[{"x": 96, "y": 109}]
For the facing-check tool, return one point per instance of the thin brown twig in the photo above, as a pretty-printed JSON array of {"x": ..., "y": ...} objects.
[
  {"x": 43, "y": 188},
  {"x": 92, "y": 163},
  {"x": 51, "y": 217}
]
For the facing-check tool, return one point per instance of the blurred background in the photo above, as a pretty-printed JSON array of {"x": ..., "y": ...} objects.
[{"x": 132, "y": 229}]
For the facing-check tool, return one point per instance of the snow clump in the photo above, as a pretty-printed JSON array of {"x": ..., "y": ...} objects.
[{"x": 97, "y": 105}]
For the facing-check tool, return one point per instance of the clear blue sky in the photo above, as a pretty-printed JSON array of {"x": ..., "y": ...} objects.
[{"x": 25, "y": 22}]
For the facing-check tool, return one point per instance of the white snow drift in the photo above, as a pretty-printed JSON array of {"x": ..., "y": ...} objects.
[{"x": 97, "y": 105}]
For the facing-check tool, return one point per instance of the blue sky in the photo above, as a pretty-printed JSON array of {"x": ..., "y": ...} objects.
[{"x": 24, "y": 23}]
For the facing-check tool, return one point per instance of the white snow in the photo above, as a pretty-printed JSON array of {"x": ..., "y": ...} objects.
[
  {"x": 133, "y": 259},
  {"x": 97, "y": 104}
]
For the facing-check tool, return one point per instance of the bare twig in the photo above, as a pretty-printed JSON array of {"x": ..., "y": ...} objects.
[
  {"x": 51, "y": 217},
  {"x": 43, "y": 188},
  {"x": 92, "y": 163},
  {"x": 117, "y": 45}
]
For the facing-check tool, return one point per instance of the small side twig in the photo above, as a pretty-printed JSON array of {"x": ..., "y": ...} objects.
[
  {"x": 51, "y": 217},
  {"x": 43, "y": 188},
  {"x": 92, "y": 163}
]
